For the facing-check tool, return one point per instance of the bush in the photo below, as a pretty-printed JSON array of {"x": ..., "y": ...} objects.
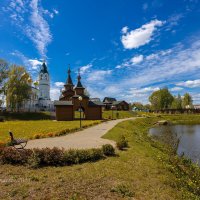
[
  {"x": 108, "y": 150},
  {"x": 10, "y": 155},
  {"x": 52, "y": 157},
  {"x": 122, "y": 143},
  {"x": 37, "y": 136},
  {"x": 81, "y": 156}
]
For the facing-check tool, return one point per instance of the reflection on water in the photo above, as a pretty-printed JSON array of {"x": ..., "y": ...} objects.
[{"x": 188, "y": 135}]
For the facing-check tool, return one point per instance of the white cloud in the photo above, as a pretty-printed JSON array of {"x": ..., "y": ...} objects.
[
  {"x": 98, "y": 75},
  {"x": 38, "y": 31},
  {"x": 170, "y": 66},
  {"x": 141, "y": 36},
  {"x": 35, "y": 63},
  {"x": 59, "y": 84},
  {"x": 54, "y": 93},
  {"x": 159, "y": 54},
  {"x": 85, "y": 68},
  {"x": 36, "y": 28},
  {"x": 55, "y": 11},
  {"x": 190, "y": 83},
  {"x": 137, "y": 59},
  {"x": 152, "y": 56},
  {"x": 125, "y": 29},
  {"x": 119, "y": 67},
  {"x": 176, "y": 89}
]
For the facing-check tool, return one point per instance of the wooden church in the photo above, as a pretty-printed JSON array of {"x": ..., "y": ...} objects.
[{"x": 73, "y": 98}]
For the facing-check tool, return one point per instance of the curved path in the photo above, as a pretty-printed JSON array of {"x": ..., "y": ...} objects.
[{"x": 87, "y": 138}]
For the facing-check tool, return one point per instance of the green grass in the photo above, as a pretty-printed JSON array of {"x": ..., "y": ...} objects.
[
  {"x": 35, "y": 125},
  {"x": 121, "y": 114},
  {"x": 146, "y": 170},
  {"x": 26, "y": 116},
  {"x": 39, "y": 128}
]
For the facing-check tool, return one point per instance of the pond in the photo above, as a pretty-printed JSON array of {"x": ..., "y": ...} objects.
[{"x": 188, "y": 136}]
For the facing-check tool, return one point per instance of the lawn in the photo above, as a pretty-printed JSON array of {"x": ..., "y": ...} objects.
[
  {"x": 109, "y": 114},
  {"x": 37, "y": 125},
  {"x": 146, "y": 170},
  {"x": 40, "y": 128}
]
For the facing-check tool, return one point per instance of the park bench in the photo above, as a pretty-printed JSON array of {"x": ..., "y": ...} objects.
[{"x": 17, "y": 143}]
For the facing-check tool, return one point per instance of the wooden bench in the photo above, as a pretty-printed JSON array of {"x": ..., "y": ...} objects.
[{"x": 17, "y": 143}]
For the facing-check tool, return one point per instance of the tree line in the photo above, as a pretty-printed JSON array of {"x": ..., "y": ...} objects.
[
  {"x": 163, "y": 99},
  {"x": 15, "y": 84}
]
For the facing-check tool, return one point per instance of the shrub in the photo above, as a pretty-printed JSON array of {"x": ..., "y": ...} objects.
[
  {"x": 47, "y": 156},
  {"x": 95, "y": 154},
  {"x": 108, "y": 150},
  {"x": 52, "y": 157},
  {"x": 81, "y": 156},
  {"x": 122, "y": 143},
  {"x": 10, "y": 155},
  {"x": 37, "y": 136},
  {"x": 50, "y": 134}
]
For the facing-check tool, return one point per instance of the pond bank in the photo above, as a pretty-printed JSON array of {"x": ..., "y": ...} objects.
[{"x": 146, "y": 170}]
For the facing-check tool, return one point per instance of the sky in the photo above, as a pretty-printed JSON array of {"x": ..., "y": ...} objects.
[{"x": 124, "y": 49}]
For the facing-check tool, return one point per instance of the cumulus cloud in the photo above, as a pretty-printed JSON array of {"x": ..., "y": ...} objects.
[
  {"x": 85, "y": 68},
  {"x": 35, "y": 64},
  {"x": 140, "y": 94},
  {"x": 190, "y": 83},
  {"x": 176, "y": 89},
  {"x": 98, "y": 75},
  {"x": 59, "y": 84},
  {"x": 167, "y": 67},
  {"x": 54, "y": 93},
  {"x": 137, "y": 59},
  {"x": 140, "y": 36},
  {"x": 125, "y": 29},
  {"x": 36, "y": 28}
]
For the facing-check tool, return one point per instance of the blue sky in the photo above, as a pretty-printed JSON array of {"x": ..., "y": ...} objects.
[{"x": 125, "y": 49}]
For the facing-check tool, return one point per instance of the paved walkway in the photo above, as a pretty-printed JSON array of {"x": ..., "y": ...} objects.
[{"x": 87, "y": 138}]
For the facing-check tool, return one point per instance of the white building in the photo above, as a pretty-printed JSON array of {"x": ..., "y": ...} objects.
[{"x": 40, "y": 97}]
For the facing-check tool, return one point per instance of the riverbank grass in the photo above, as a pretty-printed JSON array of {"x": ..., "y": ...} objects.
[{"x": 145, "y": 170}]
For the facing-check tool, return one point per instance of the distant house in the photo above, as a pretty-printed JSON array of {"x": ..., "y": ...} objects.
[
  {"x": 121, "y": 105},
  {"x": 108, "y": 101},
  {"x": 113, "y": 103}
]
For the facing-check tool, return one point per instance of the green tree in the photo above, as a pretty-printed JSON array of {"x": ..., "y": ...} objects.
[
  {"x": 137, "y": 105},
  {"x": 161, "y": 99},
  {"x": 18, "y": 87},
  {"x": 4, "y": 68},
  {"x": 177, "y": 102},
  {"x": 187, "y": 101}
]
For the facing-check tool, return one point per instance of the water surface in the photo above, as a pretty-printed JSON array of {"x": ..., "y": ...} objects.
[{"x": 189, "y": 136}]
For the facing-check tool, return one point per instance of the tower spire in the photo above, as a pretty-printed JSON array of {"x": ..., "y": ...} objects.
[
  {"x": 69, "y": 79},
  {"x": 79, "y": 84}
]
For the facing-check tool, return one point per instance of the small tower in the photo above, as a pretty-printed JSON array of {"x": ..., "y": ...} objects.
[
  {"x": 68, "y": 91},
  {"x": 79, "y": 89},
  {"x": 44, "y": 86}
]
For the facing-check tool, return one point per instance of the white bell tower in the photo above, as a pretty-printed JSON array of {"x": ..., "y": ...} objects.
[{"x": 44, "y": 87}]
